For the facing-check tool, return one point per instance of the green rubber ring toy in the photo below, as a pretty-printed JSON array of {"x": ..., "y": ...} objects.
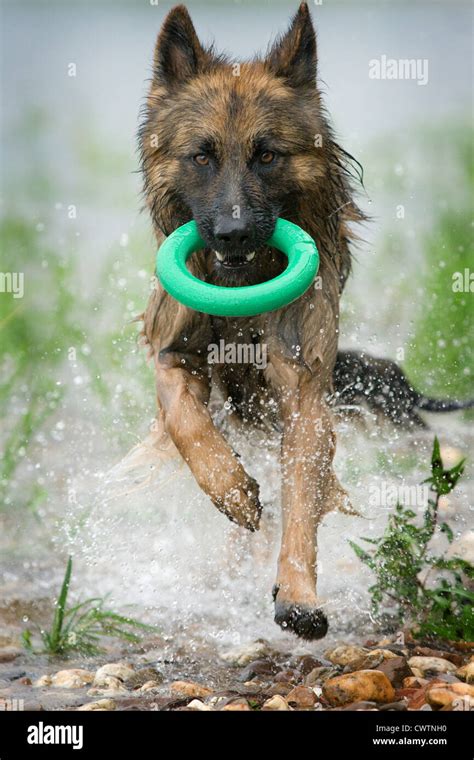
[{"x": 245, "y": 301}]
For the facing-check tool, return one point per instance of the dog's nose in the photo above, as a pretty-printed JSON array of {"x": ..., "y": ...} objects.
[{"x": 233, "y": 232}]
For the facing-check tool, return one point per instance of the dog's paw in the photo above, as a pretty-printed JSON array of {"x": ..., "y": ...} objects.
[
  {"x": 242, "y": 505},
  {"x": 306, "y": 622}
]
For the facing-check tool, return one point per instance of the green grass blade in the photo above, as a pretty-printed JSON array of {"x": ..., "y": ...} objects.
[{"x": 57, "y": 626}]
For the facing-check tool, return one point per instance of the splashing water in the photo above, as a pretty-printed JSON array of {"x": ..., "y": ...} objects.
[{"x": 153, "y": 540}]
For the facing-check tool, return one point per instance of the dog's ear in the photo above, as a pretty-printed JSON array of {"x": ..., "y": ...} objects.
[
  {"x": 178, "y": 54},
  {"x": 293, "y": 56}
]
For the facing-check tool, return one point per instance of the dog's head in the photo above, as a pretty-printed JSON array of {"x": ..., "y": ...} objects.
[{"x": 233, "y": 146}]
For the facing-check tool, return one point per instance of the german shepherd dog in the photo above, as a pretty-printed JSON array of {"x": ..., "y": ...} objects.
[{"x": 234, "y": 147}]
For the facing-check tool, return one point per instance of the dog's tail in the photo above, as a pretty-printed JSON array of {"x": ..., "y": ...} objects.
[
  {"x": 381, "y": 384},
  {"x": 440, "y": 405}
]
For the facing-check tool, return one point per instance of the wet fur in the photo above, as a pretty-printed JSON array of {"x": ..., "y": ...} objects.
[
  {"x": 318, "y": 188},
  {"x": 382, "y": 386},
  {"x": 195, "y": 98}
]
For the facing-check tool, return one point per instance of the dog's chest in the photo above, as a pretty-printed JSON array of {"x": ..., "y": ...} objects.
[{"x": 238, "y": 358}]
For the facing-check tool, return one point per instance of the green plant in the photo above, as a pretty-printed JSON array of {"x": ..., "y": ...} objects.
[
  {"x": 413, "y": 585},
  {"x": 36, "y": 333},
  {"x": 78, "y": 629}
]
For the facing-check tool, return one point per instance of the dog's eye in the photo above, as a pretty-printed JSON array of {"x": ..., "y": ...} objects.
[
  {"x": 267, "y": 157},
  {"x": 201, "y": 159}
]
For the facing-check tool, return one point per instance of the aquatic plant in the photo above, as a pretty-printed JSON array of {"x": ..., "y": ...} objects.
[
  {"x": 413, "y": 586},
  {"x": 79, "y": 629}
]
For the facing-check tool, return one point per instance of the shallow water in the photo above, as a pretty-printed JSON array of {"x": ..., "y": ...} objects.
[{"x": 152, "y": 541}]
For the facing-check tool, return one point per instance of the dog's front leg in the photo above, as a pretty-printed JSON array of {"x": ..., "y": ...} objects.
[
  {"x": 308, "y": 447},
  {"x": 183, "y": 399}
]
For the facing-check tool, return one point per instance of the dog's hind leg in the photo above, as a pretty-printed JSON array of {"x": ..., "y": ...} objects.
[
  {"x": 183, "y": 399},
  {"x": 308, "y": 448}
]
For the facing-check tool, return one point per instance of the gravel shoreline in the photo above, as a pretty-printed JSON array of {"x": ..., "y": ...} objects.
[{"x": 375, "y": 675}]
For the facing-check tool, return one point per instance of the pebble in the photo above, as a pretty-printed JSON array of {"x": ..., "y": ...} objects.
[
  {"x": 320, "y": 675},
  {"x": 364, "y": 662},
  {"x": 256, "y": 683},
  {"x": 413, "y": 682},
  {"x": 429, "y": 665},
  {"x": 143, "y": 676},
  {"x": 8, "y": 654},
  {"x": 196, "y": 704},
  {"x": 276, "y": 703},
  {"x": 301, "y": 696},
  {"x": 446, "y": 695},
  {"x": 101, "y": 705},
  {"x": 385, "y": 642},
  {"x": 66, "y": 679},
  {"x": 112, "y": 692},
  {"x": 457, "y": 659},
  {"x": 307, "y": 663},
  {"x": 109, "y": 682},
  {"x": 287, "y": 676},
  {"x": 149, "y": 686},
  {"x": 23, "y": 681},
  {"x": 190, "y": 689},
  {"x": 415, "y": 698},
  {"x": 396, "y": 669},
  {"x": 370, "y": 660},
  {"x": 279, "y": 688},
  {"x": 246, "y": 654},
  {"x": 119, "y": 670},
  {"x": 447, "y": 678},
  {"x": 395, "y": 649},
  {"x": 236, "y": 707},
  {"x": 346, "y": 654},
  {"x": 362, "y": 705},
  {"x": 466, "y": 673},
  {"x": 387, "y": 654},
  {"x": 257, "y": 668},
  {"x": 370, "y": 685},
  {"x": 42, "y": 681},
  {"x": 395, "y": 706}
]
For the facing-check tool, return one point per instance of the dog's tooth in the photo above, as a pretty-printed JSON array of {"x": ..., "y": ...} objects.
[
  {"x": 220, "y": 256},
  {"x": 250, "y": 256}
]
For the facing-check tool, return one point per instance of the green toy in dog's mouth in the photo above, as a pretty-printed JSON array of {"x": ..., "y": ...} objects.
[{"x": 245, "y": 301}]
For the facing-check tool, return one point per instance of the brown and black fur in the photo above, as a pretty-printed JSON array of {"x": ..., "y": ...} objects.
[
  {"x": 381, "y": 385},
  {"x": 205, "y": 141}
]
